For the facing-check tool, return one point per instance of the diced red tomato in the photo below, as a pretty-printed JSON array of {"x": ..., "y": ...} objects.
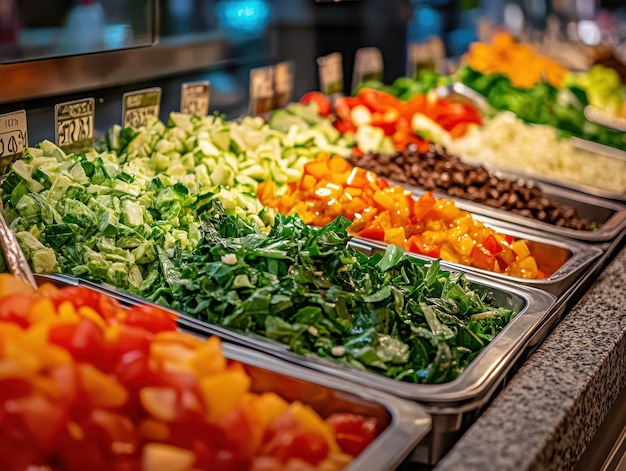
[
  {"x": 14, "y": 309},
  {"x": 492, "y": 245},
  {"x": 324, "y": 108},
  {"x": 150, "y": 318},
  {"x": 373, "y": 231},
  {"x": 126, "y": 391},
  {"x": 354, "y": 433},
  {"x": 377, "y": 100}
]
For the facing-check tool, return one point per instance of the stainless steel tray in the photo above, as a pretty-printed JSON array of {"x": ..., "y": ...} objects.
[
  {"x": 609, "y": 214},
  {"x": 563, "y": 259},
  {"x": 404, "y": 424},
  {"x": 452, "y": 405}
]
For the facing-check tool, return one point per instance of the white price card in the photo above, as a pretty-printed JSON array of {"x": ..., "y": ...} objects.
[
  {"x": 368, "y": 65},
  {"x": 438, "y": 53},
  {"x": 425, "y": 56},
  {"x": 485, "y": 30},
  {"x": 283, "y": 83},
  {"x": 13, "y": 137},
  {"x": 139, "y": 106},
  {"x": 261, "y": 90},
  {"x": 74, "y": 125},
  {"x": 331, "y": 73},
  {"x": 194, "y": 97}
]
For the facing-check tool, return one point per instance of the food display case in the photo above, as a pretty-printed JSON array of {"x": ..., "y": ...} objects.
[{"x": 414, "y": 228}]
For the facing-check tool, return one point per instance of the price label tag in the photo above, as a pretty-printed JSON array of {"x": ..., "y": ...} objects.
[
  {"x": 426, "y": 56},
  {"x": 261, "y": 90},
  {"x": 438, "y": 53},
  {"x": 139, "y": 106},
  {"x": 13, "y": 138},
  {"x": 283, "y": 83},
  {"x": 194, "y": 97},
  {"x": 485, "y": 30},
  {"x": 420, "y": 57},
  {"x": 331, "y": 73},
  {"x": 74, "y": 125},
  {"x": 368, "y": 65}
]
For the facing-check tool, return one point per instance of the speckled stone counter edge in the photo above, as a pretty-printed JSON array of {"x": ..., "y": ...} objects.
[{"x": 552, "y": 407}]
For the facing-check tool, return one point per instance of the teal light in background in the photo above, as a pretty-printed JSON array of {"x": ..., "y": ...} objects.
[{"x": 245, "y": 16}]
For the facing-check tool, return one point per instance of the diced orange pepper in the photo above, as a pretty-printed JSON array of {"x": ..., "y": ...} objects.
[
  {"x": 390, "y": 212},
  {"x": 208, "y": 358},
  {"x": 223, "y": 391},
  {"x": 10, "y": 284},
  {"x": 102, "y": 390},
  {"x": 385, "y": 200},
  {"x": 338, "y": 164},
  {"x": 161, "y": 457},
  {"x": 395, "y": 236},
  {"x": 161, "y": 403},
  {"x": 309, "y": 420},
  {"x": 317, "y": 168}
]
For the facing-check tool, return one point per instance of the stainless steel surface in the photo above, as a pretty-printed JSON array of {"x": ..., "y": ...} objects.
[
  {"x": 13, "y": 255},
  {"x": 611, "y": 215},
  {"x": 459, "y": 92},
  {"x": 605, "y": 119},
  {"x": 49, "y": 77},
  {"x": 563, "y": 260},
  {"x": 405, "y": 423},
  {"x": 598, "y": 148}
]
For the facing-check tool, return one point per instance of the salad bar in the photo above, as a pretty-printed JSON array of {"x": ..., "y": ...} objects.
[{"x": 347, "y": 282}]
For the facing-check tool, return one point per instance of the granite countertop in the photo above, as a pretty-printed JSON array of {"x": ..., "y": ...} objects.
[{"x": 550, "y": 410}]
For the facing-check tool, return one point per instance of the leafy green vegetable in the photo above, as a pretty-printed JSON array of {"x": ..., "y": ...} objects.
[
  {"x": 543, "y": 104},
  {"x": 390, "y": 314},
  {"x": 405, "y": 87},
  {"x": 117, "y": 215}
]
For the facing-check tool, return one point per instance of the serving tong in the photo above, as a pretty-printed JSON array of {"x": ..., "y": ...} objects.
[{"x": 14, "y": 256}]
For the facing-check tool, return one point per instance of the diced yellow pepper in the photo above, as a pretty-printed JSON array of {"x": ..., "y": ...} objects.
[
  {"x": 308, "y": 419},
  {"x": 160, "y": 457},
  {"x": 67, "y": 313},
  {"x": 395, "y": 236},
  {"x": 208, "y": 359},
  {"x": 521, "y": 248},
  {"x": 102, "y": 389},
  {"x": 88, "y": 313},
  {"x": 159, "y": 402}
]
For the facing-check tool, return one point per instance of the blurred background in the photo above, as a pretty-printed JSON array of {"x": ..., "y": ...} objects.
[{"x": 221, "y": 40}]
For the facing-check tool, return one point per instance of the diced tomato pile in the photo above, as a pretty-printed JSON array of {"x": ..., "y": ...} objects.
[
  {"x": 330, "y": 187},
  {"x": 395, "y": 117},
  {"x": 87, "y": 385}
]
